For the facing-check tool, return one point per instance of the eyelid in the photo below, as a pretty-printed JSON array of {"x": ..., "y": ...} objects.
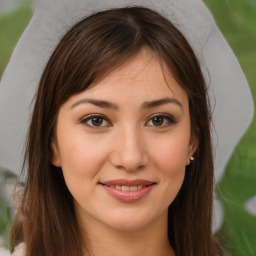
[
  {"x": 171, "y": 120},
  {"x": 86, "y": 118},
  {"x": 169, "y": 117}
]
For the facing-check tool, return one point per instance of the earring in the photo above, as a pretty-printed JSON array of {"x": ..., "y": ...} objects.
[{"x": 191, "y": 158}]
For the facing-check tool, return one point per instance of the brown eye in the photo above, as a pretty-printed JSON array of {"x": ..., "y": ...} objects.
[
  {"x": 158, "y": 120},
  {"x": 95, "y": 121},
  {"x": 161, "y": 121}
]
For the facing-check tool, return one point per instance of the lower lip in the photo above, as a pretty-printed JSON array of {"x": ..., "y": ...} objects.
[{"x": 128, "y": 196}]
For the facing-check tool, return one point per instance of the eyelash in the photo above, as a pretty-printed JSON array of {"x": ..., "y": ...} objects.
[
  {"x": 90, "y": 118},
  {"x": 169, "y": 120}
]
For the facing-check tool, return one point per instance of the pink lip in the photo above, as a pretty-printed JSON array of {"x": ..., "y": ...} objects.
[
  {"x": 128, "y": 196},
  {"x": 123, "y": 182}
]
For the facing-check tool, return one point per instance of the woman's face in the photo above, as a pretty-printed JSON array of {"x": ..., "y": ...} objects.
[{"x": 123, "y": 145}]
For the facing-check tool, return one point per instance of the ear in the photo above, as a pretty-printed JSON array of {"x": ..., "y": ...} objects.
[
  {"x": 192, "y": 147},
  {"x": 56, "y": 161}
]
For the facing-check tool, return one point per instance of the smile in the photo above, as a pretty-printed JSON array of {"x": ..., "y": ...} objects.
[
  {"x": 128, "y": 191},
  {"x": 128, "y": 188}
]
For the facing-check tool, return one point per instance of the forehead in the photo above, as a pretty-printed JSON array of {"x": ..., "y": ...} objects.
[{"x": 139, "y": 79}]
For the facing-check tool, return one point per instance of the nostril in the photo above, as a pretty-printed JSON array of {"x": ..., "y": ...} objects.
[{"x": 129, "y": 162}]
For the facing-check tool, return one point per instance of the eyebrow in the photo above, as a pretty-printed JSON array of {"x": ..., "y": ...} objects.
[
  {"x": 145, "y": 105},
  {"x": 156, "y": 103},
  {"x": 98, "y": 103}
]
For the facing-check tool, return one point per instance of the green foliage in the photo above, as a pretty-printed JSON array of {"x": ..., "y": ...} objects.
[
  {"x": 11, "y": 27},
  {"x": 237, "y": 20},
  {"x": 5, "y": 220}
]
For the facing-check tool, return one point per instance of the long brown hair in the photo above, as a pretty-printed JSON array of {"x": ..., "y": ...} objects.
[{"x": 95, "y": 46}]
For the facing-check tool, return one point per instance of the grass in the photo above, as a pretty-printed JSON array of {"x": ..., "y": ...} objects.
[{"x": 236, "y": 19}]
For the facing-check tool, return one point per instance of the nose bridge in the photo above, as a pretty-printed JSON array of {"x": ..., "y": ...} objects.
[{"x": 130, "y": 152}]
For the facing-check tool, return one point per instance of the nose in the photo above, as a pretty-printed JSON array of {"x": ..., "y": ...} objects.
[{"x": 129, "y": 151}]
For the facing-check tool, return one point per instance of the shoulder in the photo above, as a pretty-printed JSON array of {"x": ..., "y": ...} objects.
[{"x": 19, "y": 250}]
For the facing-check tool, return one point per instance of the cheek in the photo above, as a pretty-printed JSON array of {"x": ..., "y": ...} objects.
[
  {"x": 170, "y": 157},
  {"x": 170, "y": 152},
  {"x": 172, "y": 177},
  {"x": 82, "y": 156},
  {"x": 172, "y": 165},
  {"x": 81, "y": 165}
]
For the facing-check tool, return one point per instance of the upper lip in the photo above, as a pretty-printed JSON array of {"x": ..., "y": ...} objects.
[{"x": 124, "y": 182}]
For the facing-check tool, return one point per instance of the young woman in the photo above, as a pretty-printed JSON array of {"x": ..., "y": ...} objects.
[{"x": 119, "y": 150}]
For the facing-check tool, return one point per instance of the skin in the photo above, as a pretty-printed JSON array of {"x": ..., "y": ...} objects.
[{"x": 128, "y": 144}]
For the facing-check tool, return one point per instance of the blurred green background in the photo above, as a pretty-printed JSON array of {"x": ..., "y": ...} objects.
[{"x": 237, "y": 21}]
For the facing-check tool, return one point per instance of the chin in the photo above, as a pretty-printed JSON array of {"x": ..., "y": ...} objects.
[
  {"x": 130, "y": 225},
  {"x": 134, "y": 221}
]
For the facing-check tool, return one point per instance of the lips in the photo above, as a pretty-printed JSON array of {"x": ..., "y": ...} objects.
[
  {"x": 124, "y": 182},
  {"x": 128, "y": 190}
]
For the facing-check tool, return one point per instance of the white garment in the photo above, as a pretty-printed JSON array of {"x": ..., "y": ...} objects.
[{"x": 19, "y": 250}]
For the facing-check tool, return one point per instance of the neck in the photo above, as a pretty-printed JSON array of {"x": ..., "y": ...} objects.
[{"x": 152, "y": 240}]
